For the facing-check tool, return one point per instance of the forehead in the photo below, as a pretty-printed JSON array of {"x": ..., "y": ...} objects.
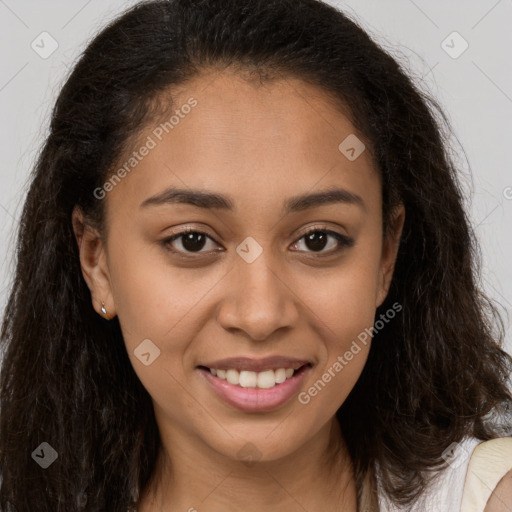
[{"x": 255, "y": 141}]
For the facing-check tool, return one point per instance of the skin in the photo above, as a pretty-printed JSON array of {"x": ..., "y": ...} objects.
[
  {"x": 258, "y": 144},
  {"x": 501, "y": 497}
]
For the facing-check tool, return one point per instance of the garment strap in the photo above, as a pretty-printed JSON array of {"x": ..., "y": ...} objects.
[{"x": 490, "y": 462}]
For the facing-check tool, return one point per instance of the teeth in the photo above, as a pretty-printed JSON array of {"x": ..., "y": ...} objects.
[
  {"x": 233, "y": 377},
  {"x": 266, "y": 379},
  {"x": 246, "y": 379},
  {"x": 281, "y": 375}
]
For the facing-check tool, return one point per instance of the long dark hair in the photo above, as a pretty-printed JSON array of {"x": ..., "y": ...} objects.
[{"x": 435, "y": 374}]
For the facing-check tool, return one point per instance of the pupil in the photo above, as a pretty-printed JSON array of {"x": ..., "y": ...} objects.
[
  {"x": 316, "y": 241},
  {"x": 192, "y": 240}
]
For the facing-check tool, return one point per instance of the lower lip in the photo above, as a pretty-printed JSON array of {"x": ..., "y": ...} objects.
[{"x": 256, "y": 399}]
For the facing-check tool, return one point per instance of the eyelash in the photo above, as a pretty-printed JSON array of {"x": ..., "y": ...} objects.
[{"x": 344, "y": 241}]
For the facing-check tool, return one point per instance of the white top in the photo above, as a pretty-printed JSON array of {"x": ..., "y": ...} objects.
[{"x": 475, "y": 468}]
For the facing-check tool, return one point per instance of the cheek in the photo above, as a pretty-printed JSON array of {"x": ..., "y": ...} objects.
[
  {"x": 345, "y": 322},
  {"x": 344, "y": 308},
  {"x": 152, "y": 297},
  {"x": 344, "y": 299}
]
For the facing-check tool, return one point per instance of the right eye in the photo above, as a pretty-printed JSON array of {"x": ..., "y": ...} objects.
[{"x": 191, "y": 241}]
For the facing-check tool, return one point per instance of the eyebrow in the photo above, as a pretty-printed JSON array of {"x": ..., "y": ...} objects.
[{"x": 211, "y": 200}]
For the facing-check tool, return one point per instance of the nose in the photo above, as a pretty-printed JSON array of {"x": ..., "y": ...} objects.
[{"x": 259, "y": 300}]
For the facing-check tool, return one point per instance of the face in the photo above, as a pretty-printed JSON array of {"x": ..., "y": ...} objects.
[{"x": 266, "y": 270}]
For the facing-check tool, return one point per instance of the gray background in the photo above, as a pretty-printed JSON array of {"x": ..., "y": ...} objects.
[{"x": 475, "y": 90}]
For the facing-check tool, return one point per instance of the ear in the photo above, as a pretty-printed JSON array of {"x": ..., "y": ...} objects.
[
  {"x": 93, "y": 262},
  {"x": 390, "y": 246}
]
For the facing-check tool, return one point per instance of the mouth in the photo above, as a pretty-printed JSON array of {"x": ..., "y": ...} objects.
[
  {"x": 265, "y": 379},
  {"x": 252, "y": 391}
]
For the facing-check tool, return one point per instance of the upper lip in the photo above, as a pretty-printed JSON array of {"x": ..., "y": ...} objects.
[{"x": 256, "y": 365}]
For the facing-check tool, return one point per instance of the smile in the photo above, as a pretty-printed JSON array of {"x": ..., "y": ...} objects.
[
  {"x": 247, "y": 379},
  {"x": 255, "y": 391}
]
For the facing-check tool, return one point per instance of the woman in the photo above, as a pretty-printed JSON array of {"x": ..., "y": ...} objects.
[{"x": 246, "y": 280}]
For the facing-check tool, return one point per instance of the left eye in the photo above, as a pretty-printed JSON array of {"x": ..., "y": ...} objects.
[
  {"x": 316, "y": 240},
  {"x": 193, "y": 241}
]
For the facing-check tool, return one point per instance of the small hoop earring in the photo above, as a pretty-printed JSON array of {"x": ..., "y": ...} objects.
[{"x": 103, "y": 310}]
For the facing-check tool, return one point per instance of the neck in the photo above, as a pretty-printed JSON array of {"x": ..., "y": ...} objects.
[{"x": 198, "y": 480}]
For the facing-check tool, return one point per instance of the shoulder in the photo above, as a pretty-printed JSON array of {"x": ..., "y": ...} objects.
[
  {"x": 489, "y": 477},
  {"x": 443, "y": 492},
  {"x": 501, "y": 497},
  {"x": 476, "y": 470}
]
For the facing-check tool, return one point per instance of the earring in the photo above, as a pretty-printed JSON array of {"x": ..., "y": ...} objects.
[{"x": 103, "y": 310}]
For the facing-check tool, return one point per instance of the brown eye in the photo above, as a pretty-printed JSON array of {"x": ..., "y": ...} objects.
[
  {"x": 316, "y": 240},
  {"x": 191, "y": 241}
]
